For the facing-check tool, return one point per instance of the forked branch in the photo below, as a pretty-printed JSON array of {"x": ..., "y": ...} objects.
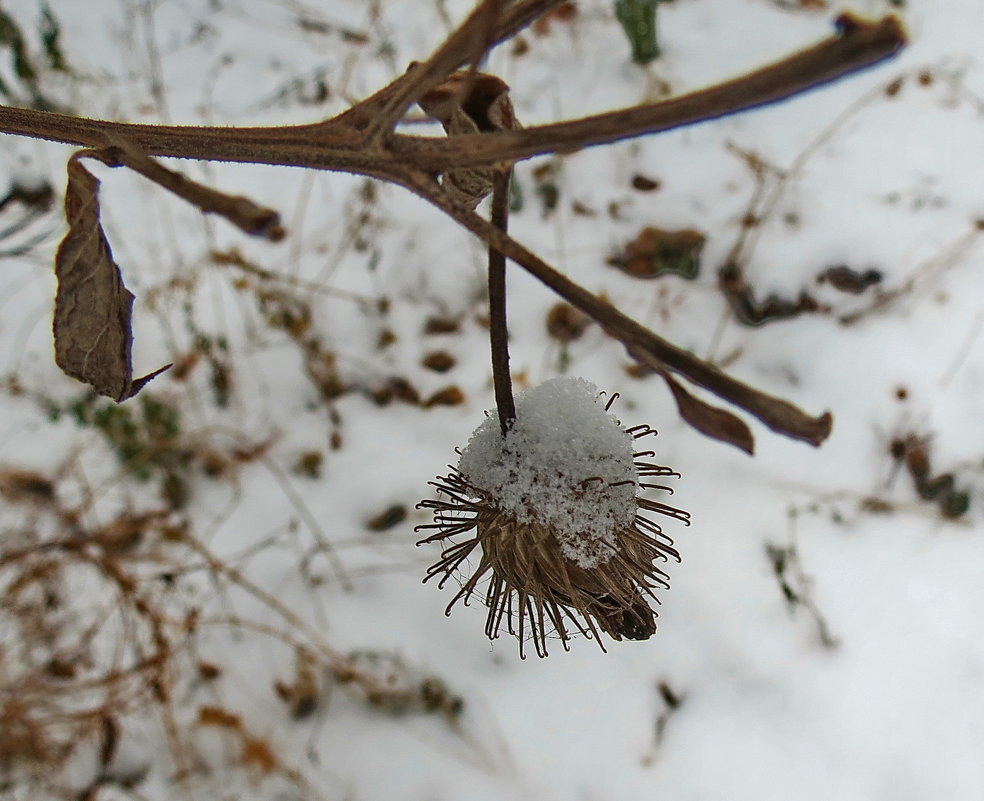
[
  {"x": 363, "y": 140},
  {"x": 641, "y": 343}
]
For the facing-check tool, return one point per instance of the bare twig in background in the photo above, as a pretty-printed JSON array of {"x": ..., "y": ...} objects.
[{"x": 795, "y": 584}]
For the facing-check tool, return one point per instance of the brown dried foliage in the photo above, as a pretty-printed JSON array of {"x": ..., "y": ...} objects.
[
  {"x": 95, "y": 635},
  {"x": 92, "y": 329}
]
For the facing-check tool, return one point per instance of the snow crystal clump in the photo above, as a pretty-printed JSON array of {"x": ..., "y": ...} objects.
[{"x": 566, "y": 465}]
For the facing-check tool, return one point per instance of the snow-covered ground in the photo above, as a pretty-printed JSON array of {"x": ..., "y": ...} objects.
[{"x": 819, "y": 641}]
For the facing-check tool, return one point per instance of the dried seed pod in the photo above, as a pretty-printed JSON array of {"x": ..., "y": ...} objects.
[{"x": 563, "y": 536}]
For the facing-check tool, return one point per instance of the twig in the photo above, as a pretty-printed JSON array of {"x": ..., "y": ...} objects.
[
  {"x": 351, "y": 142},
  {"x": 240, "y": 211},
  {"x": 304, "y": 512},
  {"x": 499, "y": 336},
  {"x": 641, "y": 343},
  {"x": 857, "y": 45},
  {"x": 516, "y": 16},
  {"x": 964, "y": 350}
]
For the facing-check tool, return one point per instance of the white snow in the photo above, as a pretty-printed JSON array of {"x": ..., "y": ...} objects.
[
  {"x": 890, "y": 181},
  {"x": 565, "y": 463}
]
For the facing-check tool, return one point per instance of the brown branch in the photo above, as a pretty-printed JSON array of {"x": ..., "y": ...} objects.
[
  {"x": 641, "y": 343},
  {"x": 240, "y": 211},
  {"x": 310, "y": 145},
  {"x": 339, "y": 144}
]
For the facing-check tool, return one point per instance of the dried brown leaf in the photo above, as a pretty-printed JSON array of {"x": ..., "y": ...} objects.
[
  {"x": 92, "y": 328},
  {"x": 304, "y": 693},
  {"x": 752, "y": 312},
  {"x": 388, "y": 518},
  {"x": 259, "y": 755},
  {"x": 442, "y": 325},
  {"x": 208, "y": 671},
  {"x": 219, "y": 717},
  {"x": 710, "y": 420},
  {"x": 644, "y": 183},
  {"x": 448, "y": 396},
  {"x": 309, "y": 464},
  {"x": 469, "y": 103},
  {"x": 846, "y": 279},
  {"x": 565, "y": 323},
  {"x": 565, "y": 12}
]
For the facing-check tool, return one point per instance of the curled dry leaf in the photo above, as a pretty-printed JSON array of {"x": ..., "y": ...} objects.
[
  {"x": 711, "y": 421},
  {"x": 468, "y": 103},
  {"x": 92, "y": 329}
]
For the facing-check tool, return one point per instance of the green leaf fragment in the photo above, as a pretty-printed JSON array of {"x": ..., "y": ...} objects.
[
  {"x": 515, "y": 196},
  {"x": 50, "y": 32},
  {"x": 638, "y": 19}
]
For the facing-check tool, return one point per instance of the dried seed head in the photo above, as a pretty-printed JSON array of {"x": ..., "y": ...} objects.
[{"x": 553, "y": 512}]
